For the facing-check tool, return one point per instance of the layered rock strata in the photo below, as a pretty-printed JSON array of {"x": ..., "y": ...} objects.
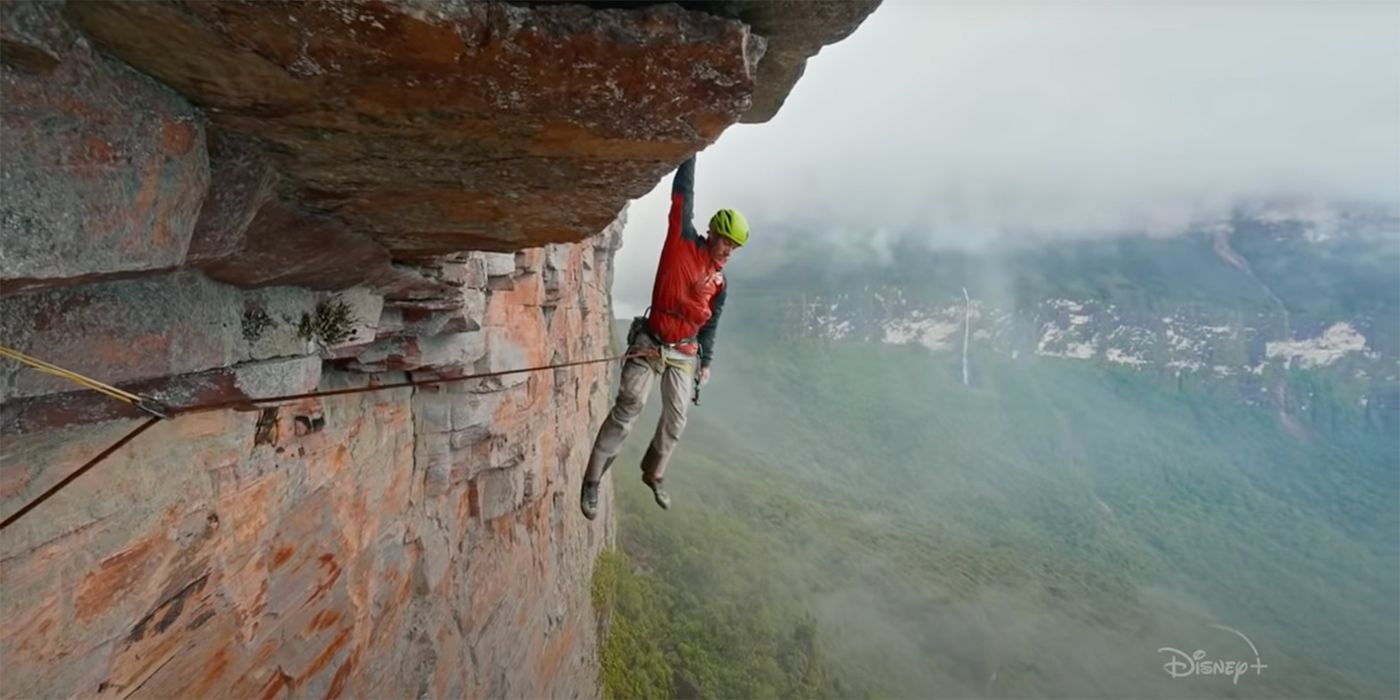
[{"x": 405, "y": 543}]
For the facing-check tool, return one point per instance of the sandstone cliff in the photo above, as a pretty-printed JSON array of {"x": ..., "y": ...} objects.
[{"x": 202, "y": 201}]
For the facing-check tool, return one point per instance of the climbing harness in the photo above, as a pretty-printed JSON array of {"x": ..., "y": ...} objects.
[
  {"x": 642, "y": 324},
  {"x": 160, "y": 412},
  {"x": 639, "y": 326}
]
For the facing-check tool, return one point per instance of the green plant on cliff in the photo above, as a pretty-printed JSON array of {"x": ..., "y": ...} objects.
[
  {"x": 255, "y": 322},
  {"x": 332, "y": 322}
]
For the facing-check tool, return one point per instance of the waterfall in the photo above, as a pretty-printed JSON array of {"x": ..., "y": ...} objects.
[{"x": 967, "y": 331}]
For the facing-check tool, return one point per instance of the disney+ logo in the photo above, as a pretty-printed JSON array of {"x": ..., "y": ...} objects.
[{"x": 1197, "y": 663}]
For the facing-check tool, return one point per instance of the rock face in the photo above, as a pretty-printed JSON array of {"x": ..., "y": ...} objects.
[
  {"x": 207, "y": 202},
  {"x": 409, "y": 542},
  {"x": 444, "y": 126},
  {"x": 798, "y": 29},
  {"x": 103, "y": 171}
]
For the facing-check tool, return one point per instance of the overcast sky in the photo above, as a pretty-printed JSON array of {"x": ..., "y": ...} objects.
[{"x": 985, "y": 121}]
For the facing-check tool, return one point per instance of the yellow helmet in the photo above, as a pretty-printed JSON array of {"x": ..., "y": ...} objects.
[{"x": 730, "y": 224}]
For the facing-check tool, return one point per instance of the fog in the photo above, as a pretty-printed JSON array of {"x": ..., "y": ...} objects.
[{"x": 981, "y": 123}]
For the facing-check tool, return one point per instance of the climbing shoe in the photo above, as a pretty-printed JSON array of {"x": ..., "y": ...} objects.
[
  {"x": 588, "y": 501},
  {"x": 663, "y": 499},
  {"x": 652, "y": 463}
]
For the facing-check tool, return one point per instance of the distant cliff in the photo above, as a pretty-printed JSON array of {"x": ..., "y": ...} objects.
[{"x": 1310, "y": 312}]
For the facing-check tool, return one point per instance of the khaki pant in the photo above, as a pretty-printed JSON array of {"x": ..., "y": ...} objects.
[{"x": 677, "y": 372}]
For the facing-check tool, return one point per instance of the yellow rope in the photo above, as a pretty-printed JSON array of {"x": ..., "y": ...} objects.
[
  {"x": 158, "y": 411},
  {"x": 74, "y": 377}
]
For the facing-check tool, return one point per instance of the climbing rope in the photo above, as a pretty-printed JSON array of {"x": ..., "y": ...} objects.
[
  {"x": 152, "y": 407},
  {"x": 159, "y": 412},
  {"x": 31, "y": 505}
]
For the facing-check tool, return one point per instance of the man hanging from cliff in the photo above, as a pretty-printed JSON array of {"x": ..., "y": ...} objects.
[{"x": 677, "y": 333}]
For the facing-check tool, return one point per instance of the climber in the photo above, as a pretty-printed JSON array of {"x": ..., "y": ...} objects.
[{"x": 676, "y": 334}]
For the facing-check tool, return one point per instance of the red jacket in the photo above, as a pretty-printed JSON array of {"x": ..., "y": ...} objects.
[{"x": 690, "y": 289}]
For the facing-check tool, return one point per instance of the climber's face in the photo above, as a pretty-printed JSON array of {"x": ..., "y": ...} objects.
[{"x": 720, "y": 249}]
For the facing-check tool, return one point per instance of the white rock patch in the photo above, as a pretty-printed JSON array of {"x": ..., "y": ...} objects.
[
  {"x": 930, "y": 333},
  {"x": 1331, "y": 346},
  {"x": 1118, "y": 356}
]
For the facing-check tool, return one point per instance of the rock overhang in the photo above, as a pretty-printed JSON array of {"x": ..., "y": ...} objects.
[
  {"x": 331, "y": 147},
  {"x": 441, "y": 126},
  {"x": 391, "y": 129}
]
